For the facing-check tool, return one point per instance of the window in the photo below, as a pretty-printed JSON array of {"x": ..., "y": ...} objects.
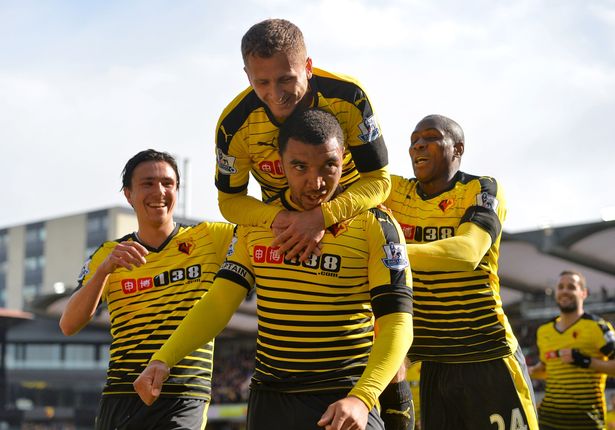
[
  {"x": 97, "y": 222},
  {"x": 79, "y": 356},
  {"x": 36, "y": 262},
  {"x": 36, "y": 233}
]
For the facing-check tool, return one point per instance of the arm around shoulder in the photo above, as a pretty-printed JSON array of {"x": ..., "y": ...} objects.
[
  {"x": 369, "y": 191},
  {"x": 243, "y": 209},
  {"x": 462, "y": 252}
]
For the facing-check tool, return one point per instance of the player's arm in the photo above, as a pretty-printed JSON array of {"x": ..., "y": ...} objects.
[
  {"x": 298, "y": 233},
  {"x": 82, "y": 305},
  {"x": 462, "y": 252},
  {"x": 370, "y": 156},
  {"x": 372, "y": 188},
  {"x": 479, "y": 227},
  {"x": 203, "y": 322},
  {"x": 242, "y": 209},
  {"x": 603, "y": 364},
  {"x": 391, "y": 299},
  {"x": 233, "y": 165}
]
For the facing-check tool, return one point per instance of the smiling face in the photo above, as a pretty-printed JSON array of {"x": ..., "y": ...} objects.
[
  {"x": 280, "y": 81},
  {"x": 435, "y": 155},
  {"x": 570, "y": 294},
  {"x": 153, "y": 194},
  {"x": 313, "y": 171}
]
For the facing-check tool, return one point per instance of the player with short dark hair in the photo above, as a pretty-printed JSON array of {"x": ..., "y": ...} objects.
[
  {"x": 317, "y": 362},
  {"x": 473, "y": 374},
  {"x": 150, "y": 279},
  {"x": 283, "y": 80},
  {"x": 576, "y": 350}
]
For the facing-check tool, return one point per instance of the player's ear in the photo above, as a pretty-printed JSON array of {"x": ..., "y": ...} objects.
[
  {"x": 128, "y": 196},
  {"x": 308, "y": 67},
  {"x": 458, "y": 149}
]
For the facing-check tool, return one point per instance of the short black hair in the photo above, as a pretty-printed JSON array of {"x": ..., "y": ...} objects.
[
  {"x": 312, "y": 126},
  {"x": 142, "y": 157}
]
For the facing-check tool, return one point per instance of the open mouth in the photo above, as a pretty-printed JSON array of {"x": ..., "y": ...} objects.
[{"x": 282, "y": 101}]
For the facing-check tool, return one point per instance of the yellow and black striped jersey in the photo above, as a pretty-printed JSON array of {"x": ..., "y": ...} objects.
[
  {"x": 574, "y": 396},
  {"x": 247, "y": 136},
  {"x": 458, "y": 316},
  {"x": 316, "y": 318},
  {"x": 147, "y": 303}
]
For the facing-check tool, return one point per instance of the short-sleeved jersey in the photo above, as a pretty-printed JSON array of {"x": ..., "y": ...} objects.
[
  {"x": 316, "y": 318},
  {"x": 247, "y": 136},
  {"x": 574, "y": 396},
  {"x": 458, "y": 316},
  {"x": 147, "y": 303}
]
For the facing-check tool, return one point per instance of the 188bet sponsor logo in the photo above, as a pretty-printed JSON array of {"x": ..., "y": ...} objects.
[
  {"x": 132, "y": 285},
  {"x": 329, "y": 263}
]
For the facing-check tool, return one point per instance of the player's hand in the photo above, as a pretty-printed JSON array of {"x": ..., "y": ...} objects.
[
  {"x": 149, "y": 383},
  {"x": 125, "y": 254},
  {"x": 349, "y": 413},
  {"x": 299, "y": 233},
  {"x": 574, "y": 357}
]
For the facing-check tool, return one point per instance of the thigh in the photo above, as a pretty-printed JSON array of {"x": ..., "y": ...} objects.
[
  {"x": 298, "y": 411},
  {"x": 130, "y": 413},
  {"x": 490, "y": 395},
  {"x": 438, "y": 410},
  {"x": 115, "y": 412},
  {"x": 498, "y": 395}
]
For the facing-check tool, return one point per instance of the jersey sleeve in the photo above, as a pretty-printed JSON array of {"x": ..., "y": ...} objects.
[
  {"x": 607, "y": 340},
  {"x": 91, "y": 264},
  {"x": 233, "y": 165},
  {"x": 243, "y": 209},
  {"x": 369, "y": 191},
  {"x": 222, "y": 234},
  {"x": 487, "y": 207},
  {"x": 238, "y": 265},
  {"x": 390, "y": 285},
  {"x": 369, "y": 153},
  {"x": 390, "y": 279}
]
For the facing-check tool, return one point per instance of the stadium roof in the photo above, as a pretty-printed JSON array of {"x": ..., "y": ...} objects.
[{"x": 531, "y": 261}]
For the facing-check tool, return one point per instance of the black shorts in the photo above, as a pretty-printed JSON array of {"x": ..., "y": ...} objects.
[
  {"x": 488, "y": 395},
  {"x": 272, "y": 410},
  {"x": 166, "y": 413}
]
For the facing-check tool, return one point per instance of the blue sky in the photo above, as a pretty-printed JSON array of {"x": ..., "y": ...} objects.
[{"x": 86, "y": 84}]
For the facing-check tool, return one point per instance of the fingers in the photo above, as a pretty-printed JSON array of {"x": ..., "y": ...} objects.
[
  {"x": 128, "y": 254},
  {"x": 327, "y": 417},
  {"x": 149, "y": 383}
]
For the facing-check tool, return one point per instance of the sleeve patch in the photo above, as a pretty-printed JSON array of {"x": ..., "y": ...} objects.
[
  {"x": 236, "y": 273},
  {"x": 231, "y": 247},
  {"x": 226, "y": 163},
  {"x": 369, "y": 129},
  {"x": 85, "y": 270},
  {"x": 487, "y": 201},
  {"x": 396, "y": 256}
]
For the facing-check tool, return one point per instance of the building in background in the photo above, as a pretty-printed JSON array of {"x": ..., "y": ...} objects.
[{"x": 45, "y": 257}]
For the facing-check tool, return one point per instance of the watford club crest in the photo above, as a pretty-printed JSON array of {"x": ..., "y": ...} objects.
[
  {"x": 337, "y": 229},
  {"x": 187, "y": 246},
  {"x": 445, "y": 204}
]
